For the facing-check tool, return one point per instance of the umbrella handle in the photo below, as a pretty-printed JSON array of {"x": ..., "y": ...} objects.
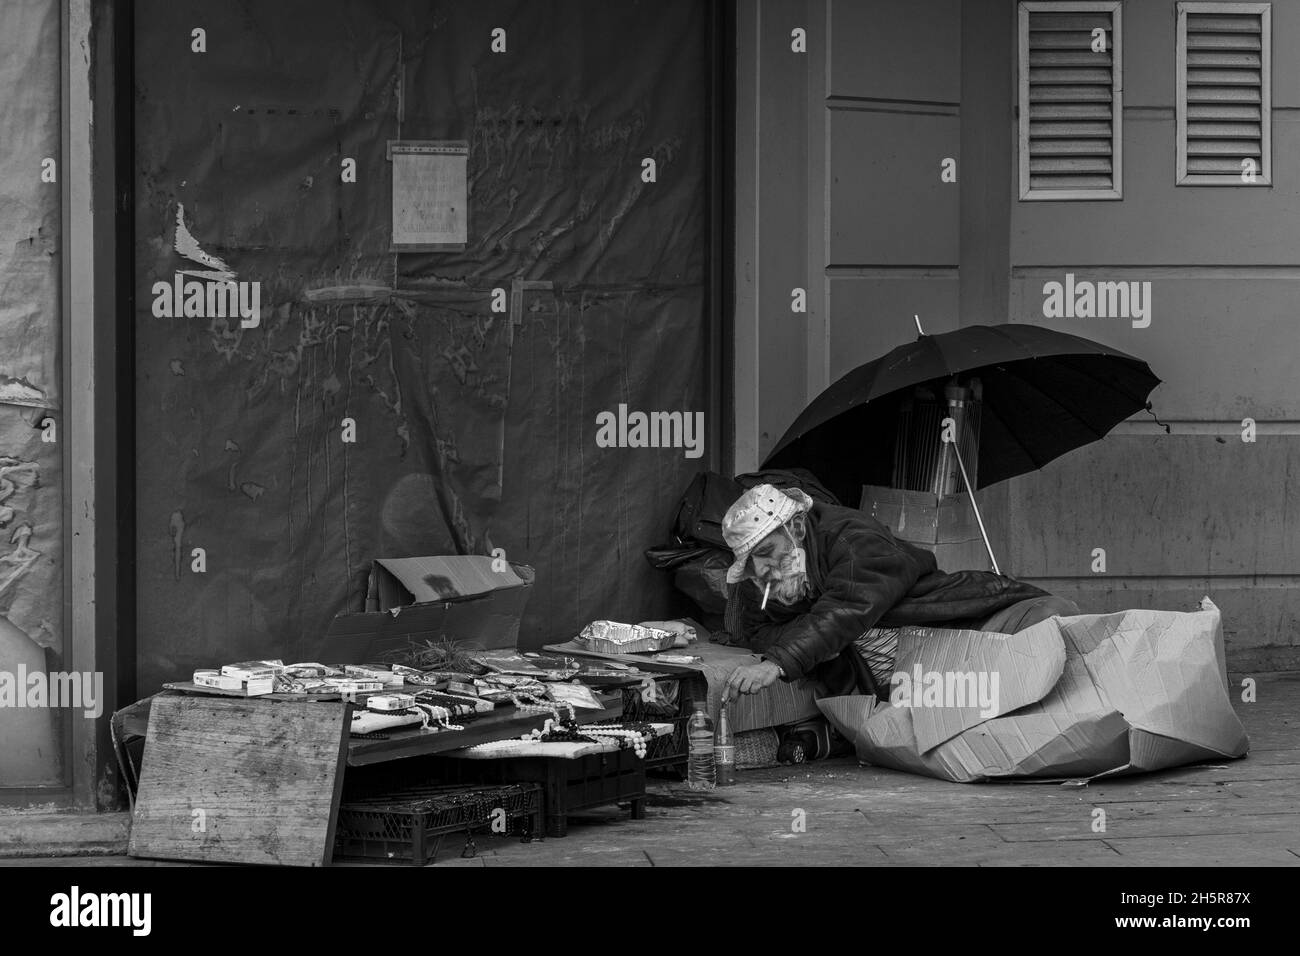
[{"x": 956, "y": 447}]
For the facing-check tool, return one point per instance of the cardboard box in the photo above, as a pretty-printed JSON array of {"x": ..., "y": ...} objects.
[
  {"x": 944, "y": 526},
  {"x": 1081, "y": 696},
  {"x": 437, "y": 598}
]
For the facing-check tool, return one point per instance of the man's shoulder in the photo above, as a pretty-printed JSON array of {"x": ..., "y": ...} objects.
[
  {"x": 839, "y": 519},
  {"x": 860, "y": 533}
]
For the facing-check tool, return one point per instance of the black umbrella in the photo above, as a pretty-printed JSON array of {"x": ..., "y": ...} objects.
[{"x": 1044, "y": 393}]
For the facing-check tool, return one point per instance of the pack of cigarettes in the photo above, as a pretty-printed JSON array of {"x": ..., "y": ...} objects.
[
  {"x": 253, "y": 670},
  {"x": 210, "y": 678},
  {"x": 354, "y": 685},
  {"x": 390, "y": 702},
  {"x": 259, "y": 686},
  {"x": 461, "y": 688},
  {"x": 385, "y": 675}
]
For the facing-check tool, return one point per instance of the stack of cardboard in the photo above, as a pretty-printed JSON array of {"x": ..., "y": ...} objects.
[{"x": 1070, "y": 697}]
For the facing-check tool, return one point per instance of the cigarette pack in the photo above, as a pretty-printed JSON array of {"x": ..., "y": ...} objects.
[
  {"x": 210, "y": 678},
  {"x": 259, "y": 686},
  {"x": 460, "y": 687},
  {"x": 385, "y": 675},
  {"x": 390, "y": 702},
  {"x": 354, "y": 685},
  {"x": 246, "y": 670}
]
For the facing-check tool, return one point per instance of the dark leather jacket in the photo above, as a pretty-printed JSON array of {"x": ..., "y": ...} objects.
[{"x": 861, "y": 576}]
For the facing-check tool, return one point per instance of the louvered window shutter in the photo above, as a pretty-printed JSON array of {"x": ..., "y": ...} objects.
[
  {"x": 1071, "y": 101},
  {"x": 1223, "y": 99}
]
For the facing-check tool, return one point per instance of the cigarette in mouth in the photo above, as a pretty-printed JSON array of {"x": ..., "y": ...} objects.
[{"x": 767, "y": 590}]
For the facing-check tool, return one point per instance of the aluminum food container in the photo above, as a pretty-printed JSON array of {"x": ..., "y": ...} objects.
[{"x": 610, "y": 637}]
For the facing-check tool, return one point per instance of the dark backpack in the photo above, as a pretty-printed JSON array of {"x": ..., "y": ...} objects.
[{"x": 699, "y": 516}]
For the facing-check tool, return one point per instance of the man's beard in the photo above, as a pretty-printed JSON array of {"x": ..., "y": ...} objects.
[{"x": 791, "y": 585}]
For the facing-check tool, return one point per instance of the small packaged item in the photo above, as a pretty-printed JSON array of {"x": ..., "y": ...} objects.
[
  {"x": 386, "y": 703},
  {"x": 253, "y": 669},
  {"x": 259, "y": 686},
  {"x": 311, "y": 671},
  {"x": 387, "y": 676},
  {"x": 354, "y": 685},
  {"x": 210, "y": 678}
]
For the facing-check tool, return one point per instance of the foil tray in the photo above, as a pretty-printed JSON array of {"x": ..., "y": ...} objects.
[{"x": 611, "y": 637}]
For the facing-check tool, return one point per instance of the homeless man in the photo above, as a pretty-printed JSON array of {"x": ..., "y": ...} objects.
[{"x": 814, "y": 577}]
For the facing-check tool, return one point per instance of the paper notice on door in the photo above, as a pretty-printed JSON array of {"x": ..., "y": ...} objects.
[{"x": 430, "y": 193}]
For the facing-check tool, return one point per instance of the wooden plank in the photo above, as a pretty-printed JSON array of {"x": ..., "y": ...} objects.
[
  {"x": 265, "y": 775},
  {"x": 189, "y": 687}
]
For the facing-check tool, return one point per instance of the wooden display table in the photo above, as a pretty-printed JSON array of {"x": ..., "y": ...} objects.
[{"x": 249, "y": 780}]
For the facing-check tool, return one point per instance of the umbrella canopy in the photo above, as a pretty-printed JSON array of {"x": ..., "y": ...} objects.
[{"x": 1044, "y": 393}]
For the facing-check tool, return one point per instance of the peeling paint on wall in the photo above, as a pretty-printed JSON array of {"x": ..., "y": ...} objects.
[{"x": 31, "y": 481}]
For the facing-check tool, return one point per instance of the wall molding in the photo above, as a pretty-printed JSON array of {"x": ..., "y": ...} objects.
[{"x": 871, "y": 104}]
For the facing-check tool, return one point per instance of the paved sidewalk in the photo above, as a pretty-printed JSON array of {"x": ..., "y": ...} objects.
[{"x": 1237, "y": 812}]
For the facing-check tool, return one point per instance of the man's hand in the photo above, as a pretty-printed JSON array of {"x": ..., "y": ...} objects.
[{"x": 750, "y": 679}]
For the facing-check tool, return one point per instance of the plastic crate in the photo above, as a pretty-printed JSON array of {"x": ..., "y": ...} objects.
[
  {"x": 407, "y": 826},
  {"x": 581, "y": 783},
  {"x": 672, "y": 749}
]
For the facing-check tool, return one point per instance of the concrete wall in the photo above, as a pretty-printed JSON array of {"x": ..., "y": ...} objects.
[
  {"x": 1198, "y": 511},
  {"x": 839, "y": 193},
  {"x": 838, "y": 156}
]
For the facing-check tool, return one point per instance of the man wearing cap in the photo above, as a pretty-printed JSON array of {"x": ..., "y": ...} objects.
[{"x": 814, "y": 577}]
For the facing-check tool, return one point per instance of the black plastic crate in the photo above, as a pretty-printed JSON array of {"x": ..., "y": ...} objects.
[
  {"x": 570, "y": 785},
  {"x": 408, "y": 825},
  {"x": 672, "y": 749}
]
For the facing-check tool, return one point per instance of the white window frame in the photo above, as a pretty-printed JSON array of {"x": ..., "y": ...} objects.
[
  {"x": 1264, "y": 177},
  {"x": 1115, "y": 9}
]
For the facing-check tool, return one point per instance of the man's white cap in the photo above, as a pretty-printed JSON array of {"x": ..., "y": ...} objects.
[{"x": 756, "y": 514}]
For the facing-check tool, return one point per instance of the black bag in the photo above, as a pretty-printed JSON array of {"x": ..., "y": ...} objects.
[
  {"x": 668, "y": 556},
  {"x": 699, "y": 516}
]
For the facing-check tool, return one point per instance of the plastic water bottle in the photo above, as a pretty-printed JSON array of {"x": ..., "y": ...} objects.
[
  {"x": 724, "y": 751},
  {"x": 700, "y": 774}
]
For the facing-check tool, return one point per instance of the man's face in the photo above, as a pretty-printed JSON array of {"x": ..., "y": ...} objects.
[
  {"x": 773, "y": 562},
  {"x": 770, "y": 555}
]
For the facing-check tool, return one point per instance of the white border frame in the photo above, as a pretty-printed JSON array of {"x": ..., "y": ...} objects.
[
  {"x": 1115, "y": 9},
  {"x": 1265, "y": 175}
]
